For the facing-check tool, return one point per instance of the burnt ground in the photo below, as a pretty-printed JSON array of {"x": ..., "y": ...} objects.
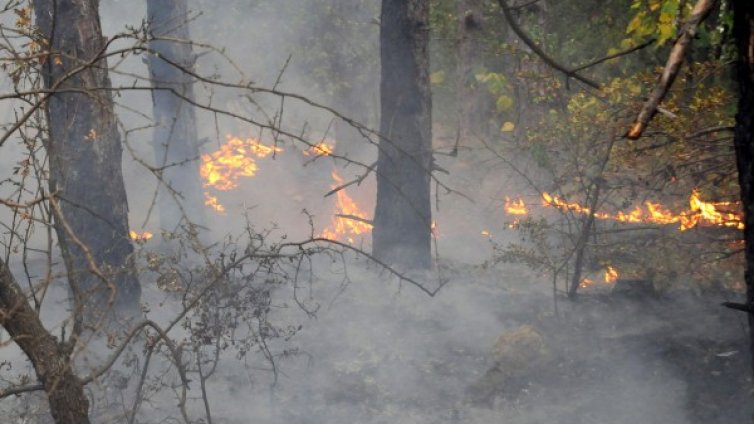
[{"x": 616, "y": 358}]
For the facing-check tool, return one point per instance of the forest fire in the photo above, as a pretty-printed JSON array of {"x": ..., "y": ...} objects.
[
  {"x": 348, "y": 221},
  {"x": 700, "y": 212},
  {"x": 223, "y": 168},
  {"x": 610, "y": 277}
]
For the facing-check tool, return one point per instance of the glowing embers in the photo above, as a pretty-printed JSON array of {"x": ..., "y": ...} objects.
[
  {"x": 321, "y": 149},
  {"x": 213, "y": 203},
  {"x": 700, "y": 212},
  {"x": 140, "y": 237},
  {"x": 349, "y": 221},
  {"x": 516, "y": 207},
  {"x": 610, "y": 277}
]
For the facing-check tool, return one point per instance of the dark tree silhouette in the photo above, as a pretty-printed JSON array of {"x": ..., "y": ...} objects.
[
  {"x": 402, "y": 219},
  {"x": 743, "y": 30},
  {"x": 84, "y": 148},
  {"x": 175, "y": 143}
]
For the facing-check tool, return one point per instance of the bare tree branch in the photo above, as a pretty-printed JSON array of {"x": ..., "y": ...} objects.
[{"x": 572, "y": 73}]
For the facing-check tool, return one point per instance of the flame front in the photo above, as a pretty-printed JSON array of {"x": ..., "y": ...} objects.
[
  {"x": 348, "y": 221},
  {"x": 718, "y": 213},
  {"x": 223, "y": 168},
  {"x": 699, "y": 213}
]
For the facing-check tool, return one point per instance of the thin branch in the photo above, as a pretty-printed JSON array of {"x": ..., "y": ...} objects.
[
  {"x": 355, "y": 218},
  {"x": 615, "y": 55},
  {"x": 507, "y": 11}
]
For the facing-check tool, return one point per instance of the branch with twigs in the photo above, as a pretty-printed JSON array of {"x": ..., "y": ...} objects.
[
  {"x": 571, "y": 73},
  {"x": 676, "y": 57}
]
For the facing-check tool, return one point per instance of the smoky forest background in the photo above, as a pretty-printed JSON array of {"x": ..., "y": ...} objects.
[{"x": 373, "y": 211}]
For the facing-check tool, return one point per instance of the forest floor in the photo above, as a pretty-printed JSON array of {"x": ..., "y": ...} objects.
[
  {"x": 676, "y": 358},
  {"x": 490, "y": 348}
]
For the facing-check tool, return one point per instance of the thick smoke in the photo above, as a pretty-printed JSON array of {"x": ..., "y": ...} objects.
[{"x": 489, "y": 347}]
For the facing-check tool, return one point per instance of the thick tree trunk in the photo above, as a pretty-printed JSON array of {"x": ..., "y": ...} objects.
[
  {"x": 85, "y": 151},
  {"x": 176, "y": 144},
  {"x": 468, "y": 92},
  {"x": 65, "y": 392},
  {"x": 402, "y": 219},
  {"x": 743, "y": 29}
]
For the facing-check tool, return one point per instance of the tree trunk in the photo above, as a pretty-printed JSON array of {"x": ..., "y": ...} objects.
[
  {"x": 743, "y": 30},
  {"x": 85, "y": 151},
  {"x": 581, "y": 242},
  {"x": 65, "y": 392},
  {"x": 176, "y": 144},
  {"x": 470, "y": 111},
  {"x": 402, "y": 219}
]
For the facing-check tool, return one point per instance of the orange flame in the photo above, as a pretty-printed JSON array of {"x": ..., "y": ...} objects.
[
  {"x": 718, "y": 213},
  {"x": 700, "y": 212},
  {"x": 321, "y": 149},
  {"x": 140, "y": 237},
  {"x": 349, "y": 221},
  {"x": 223, "y": 168},
  {"x": 611, "y": 275},
  {"x": 214, "y": 203},
  {"x": 515, "y": 207},
  {"x": 586, "y": 282}
]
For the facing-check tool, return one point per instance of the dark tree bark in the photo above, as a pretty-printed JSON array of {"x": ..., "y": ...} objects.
[
  {"x": 402, "y": 219},
  {"x": 176, "y": 144},
  {"x": 469, "y": 95},
  {"x": 51, "y": 360},
  {"x": 85, "y": 151},
  {"x": 743, "y": 30}
]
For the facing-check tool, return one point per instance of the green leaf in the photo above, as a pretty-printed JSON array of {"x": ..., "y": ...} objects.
[{"x": 504, "y": 103}]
